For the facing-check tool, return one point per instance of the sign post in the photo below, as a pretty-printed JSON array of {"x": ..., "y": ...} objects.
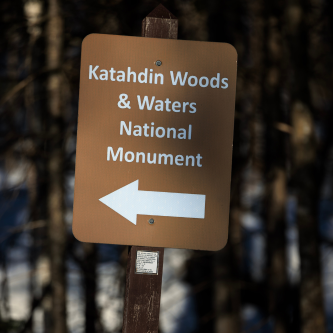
[
  {"x": 154, "y": 150},
  {"x": 143, "y": 287}
]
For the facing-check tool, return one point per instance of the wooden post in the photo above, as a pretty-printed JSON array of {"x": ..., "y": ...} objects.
[
  {"x": 143, "y": 291},
  {"x": 142, "y": 295},
  {"x": 160, "y": 23}
]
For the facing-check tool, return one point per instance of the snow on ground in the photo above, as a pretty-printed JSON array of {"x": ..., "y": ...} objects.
[
  {"x": 18, "y": 278},
  {"x": 177, "y": 305},
  {"x": 177, "y": 311}
]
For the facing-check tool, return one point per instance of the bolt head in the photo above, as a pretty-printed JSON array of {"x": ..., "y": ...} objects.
[
  {"x": 158, "y": 62},
  {"x": 151, "y": 221}
]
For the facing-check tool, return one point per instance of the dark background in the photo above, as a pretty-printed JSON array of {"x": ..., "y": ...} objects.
[{"x": 275, "y": 274}]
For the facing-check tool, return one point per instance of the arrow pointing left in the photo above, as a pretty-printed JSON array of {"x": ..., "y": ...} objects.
[{"x": 128, "y": 201}]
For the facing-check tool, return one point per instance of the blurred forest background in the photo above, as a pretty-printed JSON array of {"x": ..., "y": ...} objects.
[{"x": 276, "y": 273}]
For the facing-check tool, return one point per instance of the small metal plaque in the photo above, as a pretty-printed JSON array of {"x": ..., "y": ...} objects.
[{"x": 147, "y": 262}]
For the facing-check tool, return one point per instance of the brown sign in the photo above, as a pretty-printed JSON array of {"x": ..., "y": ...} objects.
[{"x": 154, "y": 145}]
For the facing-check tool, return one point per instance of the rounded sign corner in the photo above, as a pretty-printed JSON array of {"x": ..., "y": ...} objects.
[
  {"x": 232, "y": 49},
  {"x": 87, "y": 38},
  {"x": 220, "y": 246},
  {"x": 77, "y": 235}
]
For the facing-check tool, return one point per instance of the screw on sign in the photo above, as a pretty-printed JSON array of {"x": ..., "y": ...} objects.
[{"x": 154, "y": 145}]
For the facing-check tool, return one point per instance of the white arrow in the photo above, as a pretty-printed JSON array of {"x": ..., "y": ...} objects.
[{"x": 128, "y": 201}]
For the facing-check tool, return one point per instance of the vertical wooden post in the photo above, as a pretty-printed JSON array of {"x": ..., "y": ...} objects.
[
  {"x": 142, "y": 295},
  {"x": 143, "y": 291},
  {"x": 160, "y": 23}
]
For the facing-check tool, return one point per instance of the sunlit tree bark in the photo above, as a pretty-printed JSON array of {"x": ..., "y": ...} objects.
[
  {"x": 55, "y": 145},
  {"x": 305, "y": 180}
]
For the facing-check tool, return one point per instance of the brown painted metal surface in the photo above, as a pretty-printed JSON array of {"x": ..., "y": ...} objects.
[{"x": 211, "y": 137}]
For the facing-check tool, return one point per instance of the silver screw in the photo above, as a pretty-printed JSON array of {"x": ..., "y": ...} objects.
[
  {"x": 151, "y": 221},
  {"x": 158, "y": 63}
]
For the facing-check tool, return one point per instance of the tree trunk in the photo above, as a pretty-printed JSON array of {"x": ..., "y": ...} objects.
[
  {"x": 227, "y": 276},
  {"x": 305, "y": 175},
  {"x": 275, "y": 168},
  {"x": 90, "y": 287},
  {"x": 200, "y": 275},
  {"x": 36, "y": 175},
  {"x": 247, "y": 147},
  {"x": 56, "y": 227}
]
